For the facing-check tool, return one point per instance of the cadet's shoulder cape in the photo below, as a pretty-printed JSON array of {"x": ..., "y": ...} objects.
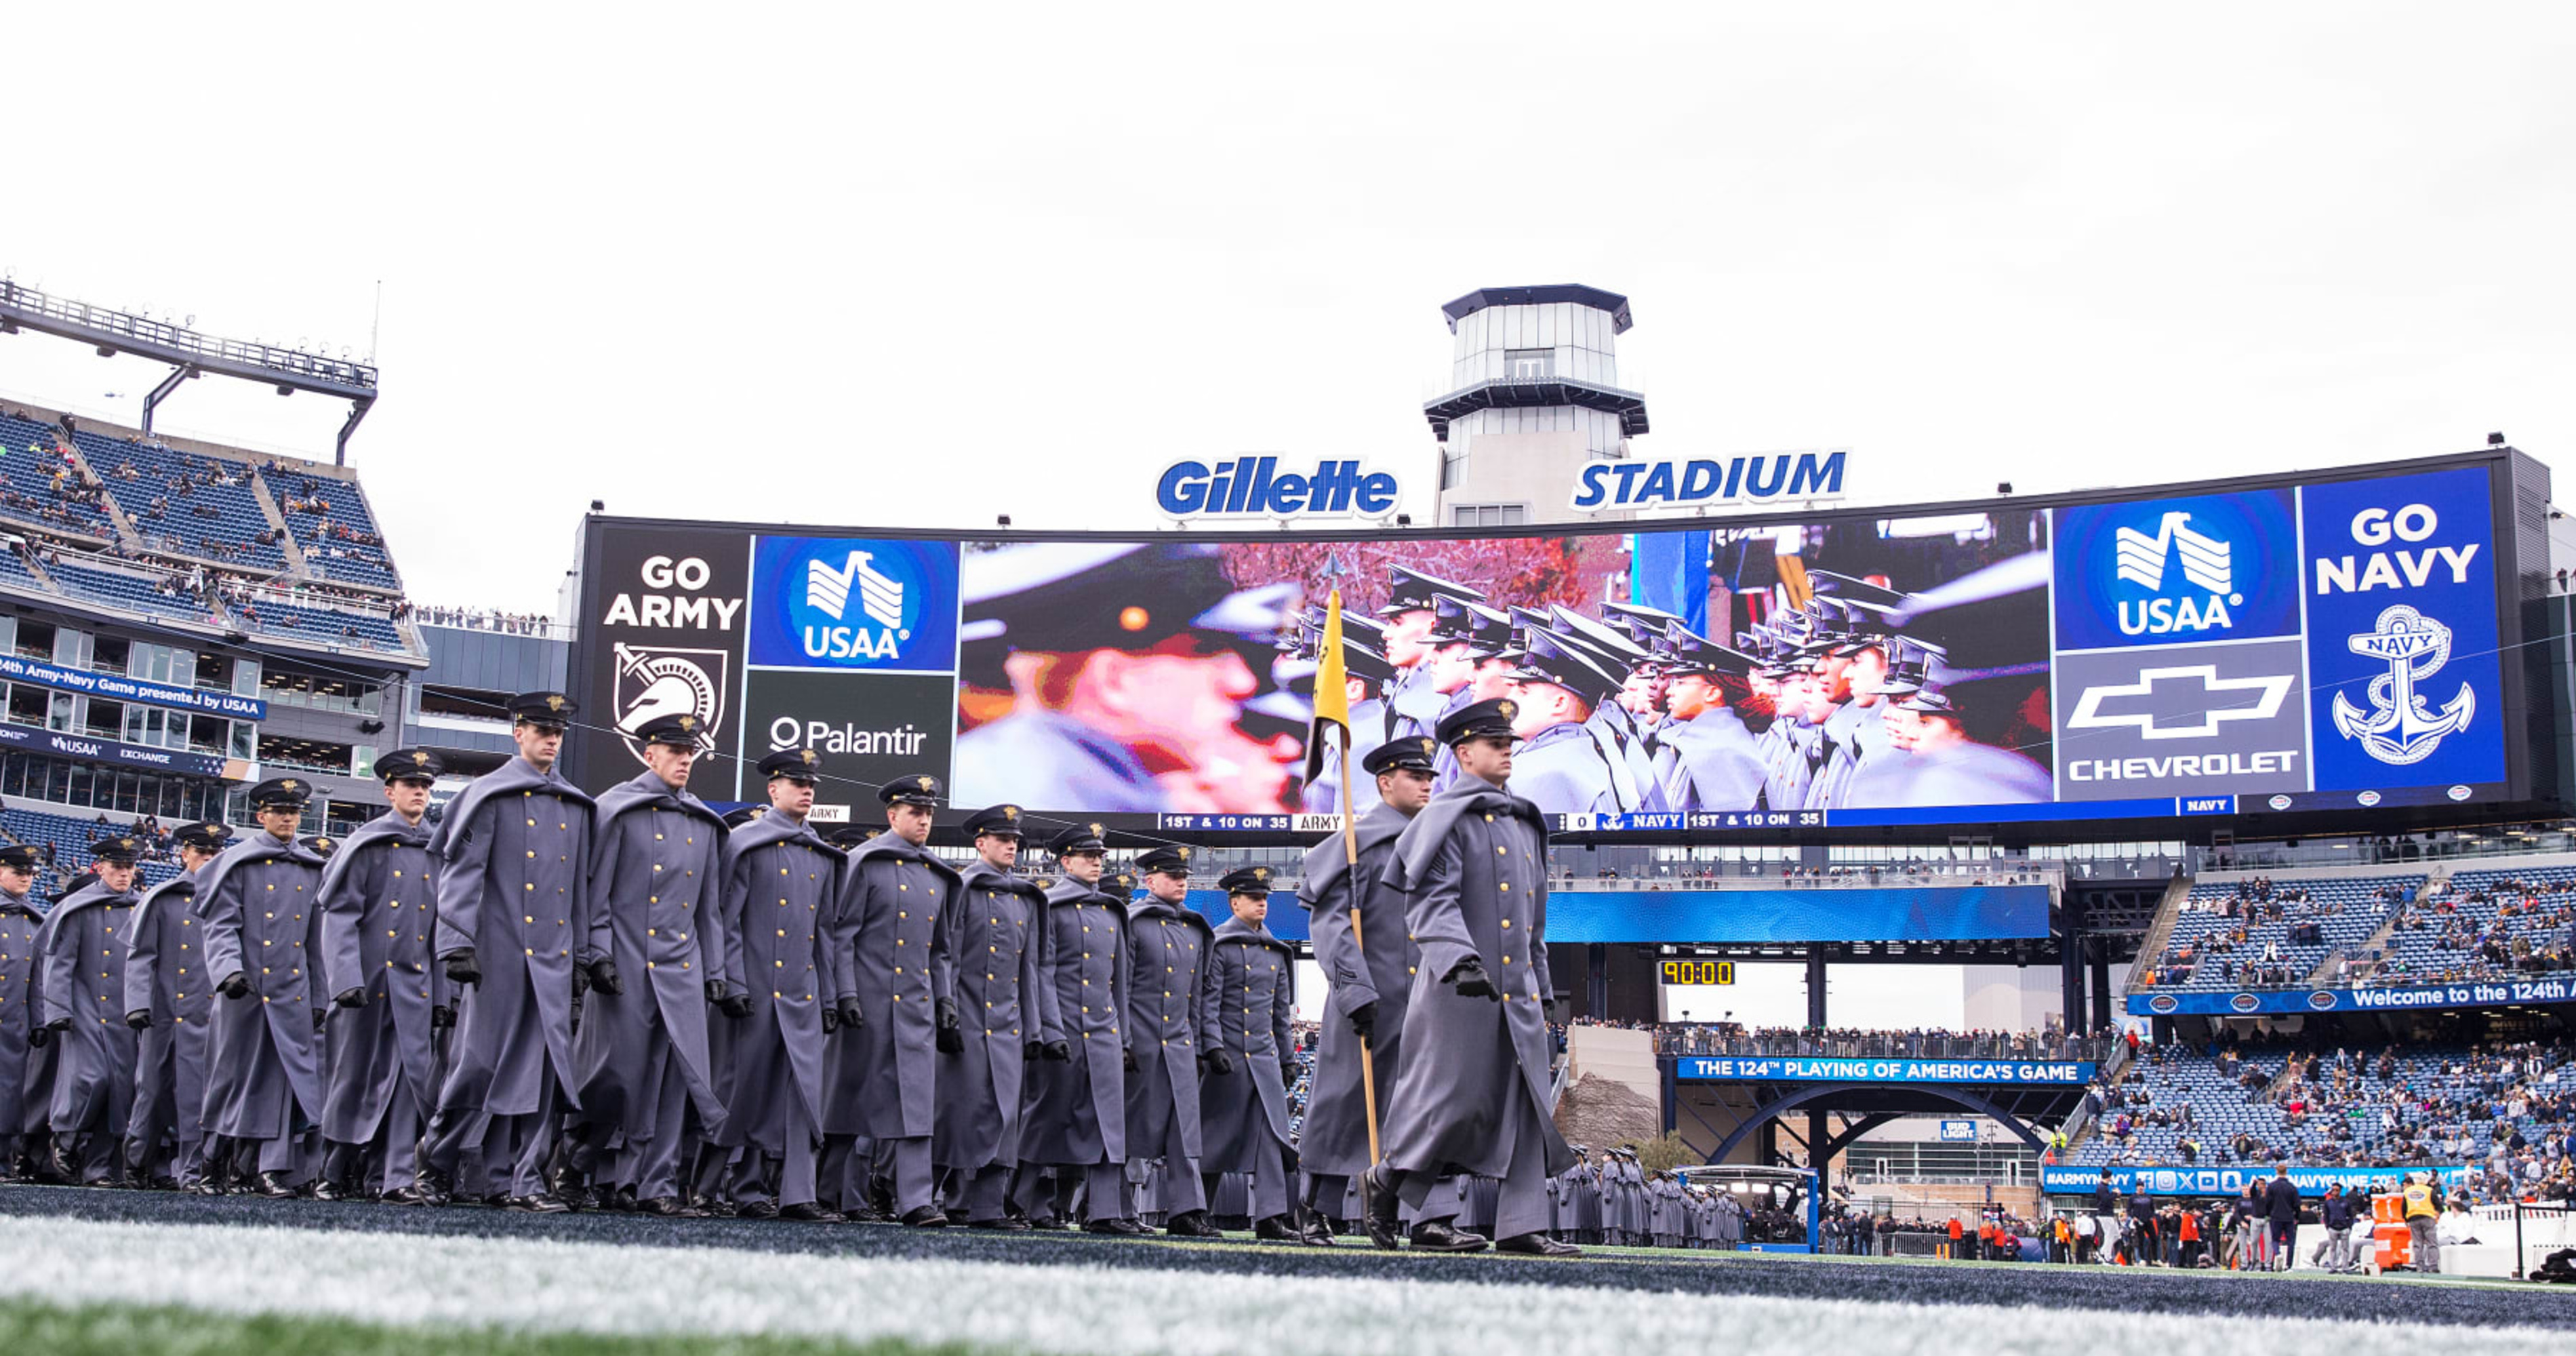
[
  {"x": 96, "y": 892},
  {"x": 1326, "y": 864},
  {"x": 456, "y": 825},
  {"x": 891, "y": 844},
  {"x": 383, "y": 830},
  {"x": 1237, "y": 930},
  {"x": 1423, "y": 838},
  {"x": 980, "y": 874},
  {"x": 259, "y": 847}
]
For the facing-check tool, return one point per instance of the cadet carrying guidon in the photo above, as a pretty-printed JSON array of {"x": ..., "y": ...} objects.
[
  {"x": 513, "y": 854},
  {"x": 24, "y": 1042},
  {"x": 999, "y": 930},
  {"x": 1370, "y": 977},
  {"x": 379, "y": 921},
  {"x": 1075, "y": 1120},
  {"x": 169, "y": 998},
  {"x": 1244, "y": 1114},
  {"x": 895, "y": 958},
  {"x": 260, "y": 908},
  {"x": 83, "y": 945},
  {"x": 1172, "y": 1034},
  {"x": 1472, "y": 1095},
  {"x": 782, "y": 884}
]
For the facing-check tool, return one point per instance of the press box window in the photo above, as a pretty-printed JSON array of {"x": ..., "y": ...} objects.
[
  {"x": 1488, "y": 515},
  {"x": 1529, "y": 364}
]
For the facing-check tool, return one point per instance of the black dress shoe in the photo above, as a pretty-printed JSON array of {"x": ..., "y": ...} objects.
[
  {"x": 881, "y": 1197},
  {"x": 621, "y": 1200},
  {"x": 328, "y": 1190},
  {"x": 1276, "y": 1230},
  {"x": 406, "y": 1195},
  {"x": 1317, "y": 1231},
  {"x": 1192, "y": 1224},
  {"x": 1050, "y": 1225},
  {"x": 1377, "y": 1213},
  {"x": 275, "y": 1186},
  {"x": 1125, "y": 1228},
  {"x": 1537, "y": 1245},
  {"x": 810, "y": 1212},
  {"x": 1439, "y": 1235},
  {"x": 543, "y": 1203},
  {"x": 925, "y": 1217},
  {"x": 756, "y": 1210},
  {"x": 1005, "y": 1224},
  {"x": 668, "y": 1207}
]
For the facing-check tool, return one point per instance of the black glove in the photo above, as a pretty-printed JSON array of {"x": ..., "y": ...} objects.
[
  {"x": 1032, "y": 1050},
  {"x": 735, "y": 1006},
  {"x": 460, "y": 967},
  {"x": 1127, "y": 1057},
  {"x": 1288, "y": 1072},
  {"x": 1547, "y": 1008},
  {"x": 234, "y": 987},
  {"x": 831, "y": 1019},
  {"x": 40, "y": 1037},
  {"x": 951, "y": 1040},
  {"x": 1363, "y": 1019},
  {"x": 318, "y": 1015},
  {"x": 441, "y": 1017},
  {"x": 715, "y": 990},
  {"x": 1060, "y": 1052},
  {"x": 603, "y": 977},
  {"x": 351, "y": 998},
  {"x": 140, "y": 1019},
  {"x": 852, "y": 1015},
  {"x": 1471, "y": 981},
  {"x": 1218, "y": 1062}
]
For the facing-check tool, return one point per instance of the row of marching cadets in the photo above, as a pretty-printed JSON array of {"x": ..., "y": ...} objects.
[{"x": 548, "y": 1001}]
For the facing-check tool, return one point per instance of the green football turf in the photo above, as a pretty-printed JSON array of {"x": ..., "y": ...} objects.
[{"x": 32, "y": 1326}]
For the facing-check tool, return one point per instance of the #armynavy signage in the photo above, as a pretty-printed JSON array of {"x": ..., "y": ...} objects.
[
  {"x": 18, "y": 670},
  {"x": 1706, "y": 482},
  {"x": 2377, "y": 998},
  {"x": 2402, "y": 634},
  {"x": 2232, "y": 1181},
  {"x": 1783, "y": 1069}
]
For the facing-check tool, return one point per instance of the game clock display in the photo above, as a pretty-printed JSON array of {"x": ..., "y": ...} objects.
[{"x": 1699, "y": 972}]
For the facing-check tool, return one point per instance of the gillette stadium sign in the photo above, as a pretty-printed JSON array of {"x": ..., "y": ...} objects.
[
  {"x": 1256, "y": 487},
  {"x": 1704, "y": 482}
]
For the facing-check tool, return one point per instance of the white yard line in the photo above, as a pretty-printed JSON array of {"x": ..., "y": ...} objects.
[{"x": 1067, "y": 1310}]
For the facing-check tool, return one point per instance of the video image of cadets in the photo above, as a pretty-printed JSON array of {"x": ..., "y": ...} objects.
[{"x": 1849, "y": 665}]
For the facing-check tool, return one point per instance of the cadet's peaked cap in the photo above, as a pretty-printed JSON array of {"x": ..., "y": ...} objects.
[
  {"x": 919, "y": 789},
  {"x": 1479, "y": 720},
  {"x": 1930, "y": 702},
  {"x": 794, "y": 764},
  {"x": 1642, "y": 624},
  {"x": 1079, "y": 838},
  {"x": 1411, "y": 751},
  {"x": 1554, "y": 659},
  {"x": 408, "y": 765},
  {"x": 117, "y": 851},
  {"x": 281, "y": 793},
  {"x": 1361, "y": 661},
  {"x": 1171, "y": 861},
  {"x": 1068, "y": 597},
  {"x": 1246, "y": 880},
  {"x": 320, "y": 845},
  {"x": 551, "y": 709},
  {"x": 1451, "y": 623},
  {"x": 207, "y": 835},
  {"x": 1410, "y": 590},
  {"x": 1684, "y": 652},
  {"x": 1001, "y": 821},
  {"x": 848, "y": 835},
  {"x": 19, "y": 856},
  {"x": 740, "y": 815},
  {"x": 679, "y": 730},
  {"x": 1488, "y": 630},
  {"x": 1615, "y": 648}
]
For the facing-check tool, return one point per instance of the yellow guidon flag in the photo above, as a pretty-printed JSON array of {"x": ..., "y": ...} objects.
[{"x": 1332, "y": 691}]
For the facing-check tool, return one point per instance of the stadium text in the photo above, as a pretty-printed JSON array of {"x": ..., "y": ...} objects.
[
  {"x": 1721, "y": 1069},
  {"x": 2180, "y": 765},
  {"x": 1698, "y": 480},
  {"x": 1252, "y": 487},
  {"x": 2393, "y": 569},
  {"x": 679, "y": 611}
]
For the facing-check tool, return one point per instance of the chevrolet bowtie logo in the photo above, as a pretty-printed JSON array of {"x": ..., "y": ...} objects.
[{"x": 2188, "y": 712}]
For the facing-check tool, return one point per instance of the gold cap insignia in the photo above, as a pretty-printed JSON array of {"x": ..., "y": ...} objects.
[
  {"x": 322, "y": 843},
  {"x": 1507, "y": 709},
  {"x": 925, "y": 782},
  {"x": 1096, "y": 830},
  {"x": 554, "y": 701},
  {"x": 1428, "y": 745},
  {"x": 1184, "y": 851},
  {"x": 1261, "y": 873},
  {"x": 287, "y": 785},
  {"x": 811, "y": 757},
  {"x": 1010, "y": 812},
  {"x": 688, "y": 722}
]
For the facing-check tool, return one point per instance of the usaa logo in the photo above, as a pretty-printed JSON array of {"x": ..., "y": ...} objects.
[
  {"x": 2202, "y": 565},
  {"x": 846, "y": 601}
]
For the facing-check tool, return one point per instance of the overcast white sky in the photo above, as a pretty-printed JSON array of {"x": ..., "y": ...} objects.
[{"x": 924, "y": 264}]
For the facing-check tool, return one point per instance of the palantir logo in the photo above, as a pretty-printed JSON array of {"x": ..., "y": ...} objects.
[{"x": 2208, "y": 570}]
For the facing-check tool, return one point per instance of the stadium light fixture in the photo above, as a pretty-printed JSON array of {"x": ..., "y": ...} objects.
[
  {"x": 1404, "y": 520},
  {"x": 2495, "y": 440},
  {"x": 2003, "y": 487},
  {"x": 1001, "y": 520}
]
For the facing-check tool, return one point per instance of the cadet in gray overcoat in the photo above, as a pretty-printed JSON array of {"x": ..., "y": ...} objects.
[
  {"x": 1076, "y": 1116},
  {"x": 379, "y": 896},
  {"x": 170, "y": 998},
  {"x": 260, "y": 907},
  {"x": 83, "y": 945},
  {"x": 999, "y": 930}
]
